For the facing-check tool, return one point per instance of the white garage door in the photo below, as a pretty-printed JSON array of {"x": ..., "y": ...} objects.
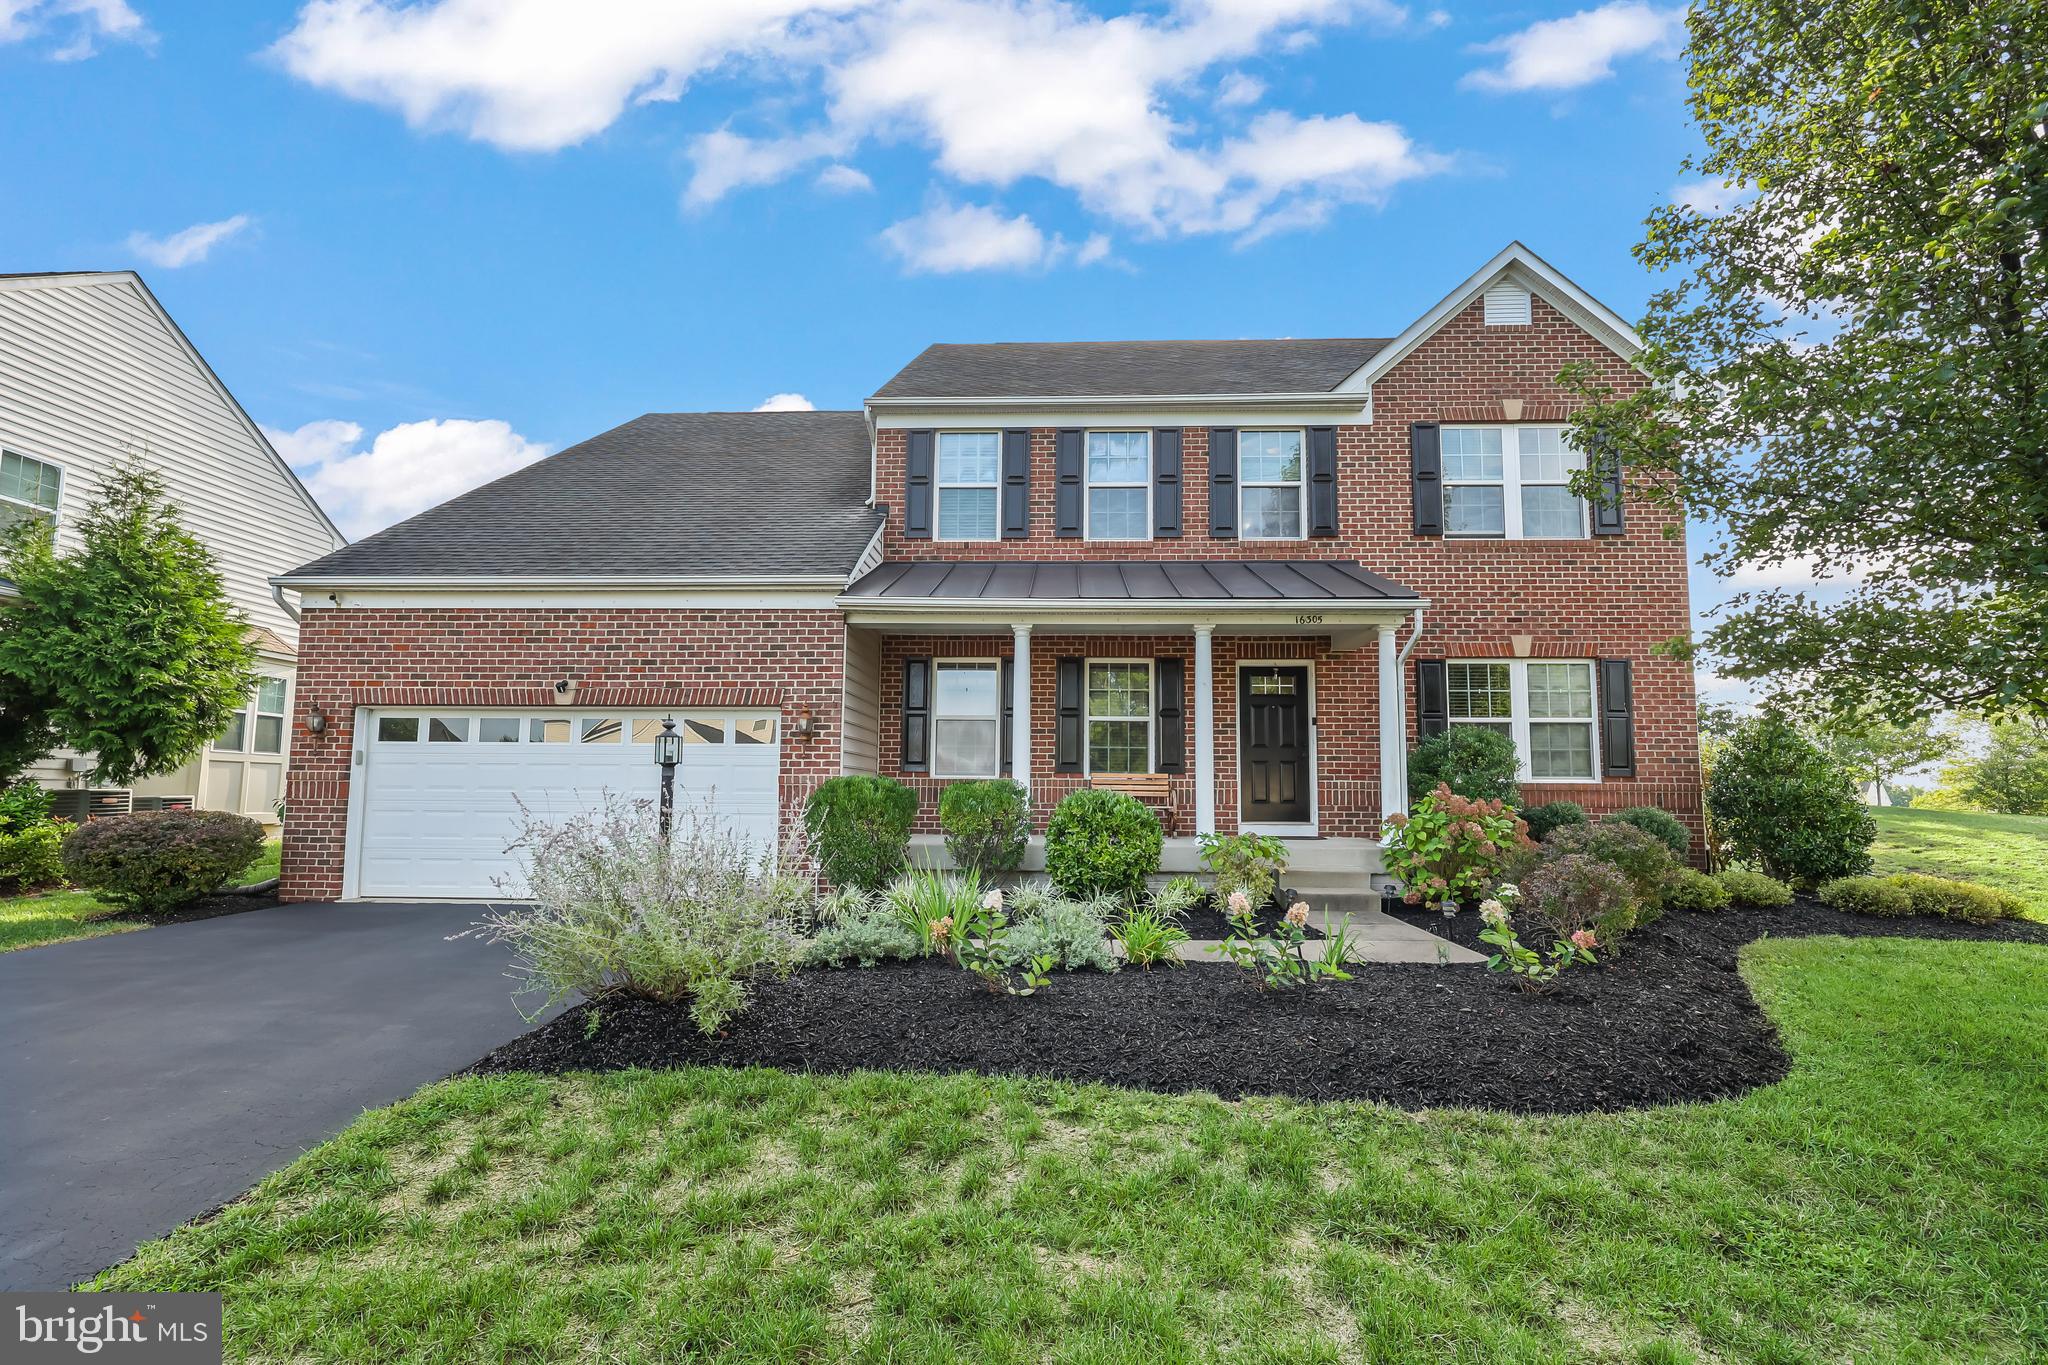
[{"x": 441, "y": 789}]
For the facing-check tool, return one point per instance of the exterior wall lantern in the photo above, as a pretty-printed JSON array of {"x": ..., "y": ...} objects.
[
  {"x": 316, "y": 720},
  {"x": 667, "y": 751}
]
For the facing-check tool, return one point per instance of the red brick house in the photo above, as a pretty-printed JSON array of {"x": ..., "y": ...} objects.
[{"x": 1253, "y": 572}]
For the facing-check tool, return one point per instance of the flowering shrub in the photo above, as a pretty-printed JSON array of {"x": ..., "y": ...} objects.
[
  {"x": 1251, "y": 863},
  {"x": 617, "y": 910},
  {"x": 160, "y": 860},
  {"x": 1639, "y": 855},
  {"x": 1449, "y": 848},
  {"x": 974, "y": 940},
  {"x": 1533, "y": 972},
  {"x": 1575, "y": 891},
  {"x": 1278, "y": 959}
]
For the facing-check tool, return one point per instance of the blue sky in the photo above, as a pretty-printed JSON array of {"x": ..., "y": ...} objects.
[{"x": 425, "y": 242}]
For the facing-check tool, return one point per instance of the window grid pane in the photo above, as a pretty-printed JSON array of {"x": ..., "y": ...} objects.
[
  {"x": 1272, "y": 513},
  {"x": 29, "y": 481},
  {"x": 1119, "y": 691},
  {"x": 270, "y": 696},
  {"x": 967, "y": 514},
  {"x": 1117, "y": 514},
  {"x": 1119, "y": 746},
  {"x": 1561, "y": 691},
  {"x": 967, "y": 457},
  {"x": 1560, "y": 749},
  {"x": 965, "y": 748},
  {"x": 1479, "y": 691},
  {"x": 1269, "y": 456},
  {"x": 1119, "y": 457},
  {"x": 1475, "y": 510}
]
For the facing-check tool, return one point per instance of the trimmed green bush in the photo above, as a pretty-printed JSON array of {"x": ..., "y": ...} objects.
[
  {"x": 1475, "y": 762},
  {"x": 1102, "y": 842},
  {"x": 1551, "y": 815},
  {"x": 1753, "y": 889},
  {"x": 1951, "y": 898},
  {"x": 859, "y": 829},
  {"x": 987, "y": 825},
  {"x": 1781, "y": 803},
  {"x": 24, "y": 806},
  {"x": 160, "y": 860},
  {"x": 1667, "y": 827},
  {"x": 33, "y": 857},
  {"x": 1866, "y": 896},
  {"x": 1687, "y": 889}
]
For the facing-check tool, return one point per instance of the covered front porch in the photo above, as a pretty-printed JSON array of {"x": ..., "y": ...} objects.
[{"x": 1262, "y": 695}]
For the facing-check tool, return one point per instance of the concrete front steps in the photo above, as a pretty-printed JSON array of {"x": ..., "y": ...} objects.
[
  {"x": 1333, "y": 866},
  {"x": 1375, "y": 937}
]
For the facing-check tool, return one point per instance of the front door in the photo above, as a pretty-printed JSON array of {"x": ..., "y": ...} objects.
[{"x": 1272, "y": 727}]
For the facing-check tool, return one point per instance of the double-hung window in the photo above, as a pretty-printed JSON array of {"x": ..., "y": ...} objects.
[
  {"x": 257, "y": 728},
  {"x": 1546, "y": 708},
  {"x": 1270, "y": 487},
  {"x": 967, "y": 718},
  {"x": 1512, "y": 483},
  {"x": 1119, "y": 485},
  {"x": 1119, "y": 717},
  {"x": 969, "y": 462},
  {"x": 28, "y": 488}
]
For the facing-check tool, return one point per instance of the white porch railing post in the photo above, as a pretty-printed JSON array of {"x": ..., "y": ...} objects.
[
  {"x": 1020, "y": 720},
  {"x": 1393, "y": 731},
  {"x": 1205, "y": 734}
]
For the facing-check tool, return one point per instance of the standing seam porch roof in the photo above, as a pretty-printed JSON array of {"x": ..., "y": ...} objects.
[{"x": 1156, "y": 581}]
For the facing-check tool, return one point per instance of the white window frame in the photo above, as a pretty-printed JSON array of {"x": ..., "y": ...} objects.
[
  {"x": 983, "y": 664},
  {"x": 1511, "y": 483},
  {"x": 249, "y": 712},
  {"x": 1150, "y": 718},
  {"x": 1089, "y": 485},
  {"x": 1299, "y": 485},
  {"x": 939, "y": 487},
  {"x": 36, "y": 509},
  {"x": 1518, "y": 718}
]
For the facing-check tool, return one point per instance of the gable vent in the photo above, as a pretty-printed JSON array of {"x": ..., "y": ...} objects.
[{"x": 1507, "y": 305}]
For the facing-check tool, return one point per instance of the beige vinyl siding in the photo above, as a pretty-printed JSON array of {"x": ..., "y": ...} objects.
[{"x": 860, "y": 743}]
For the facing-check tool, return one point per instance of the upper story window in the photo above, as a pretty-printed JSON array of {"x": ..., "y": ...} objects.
[
  {"x": 1119, "y": 485},
  {"x": 28, "y": 488},
  {"x": 1512, "y": 483},
  {"x": 969, "y": 465},
  {"x": 1119, "y": 717},
  {"x": 258, "y": 728},
  {"x": 1270, "y": 486},
  {"x": 1546, "y": 708},
  {"x": 967, "y": 715}
]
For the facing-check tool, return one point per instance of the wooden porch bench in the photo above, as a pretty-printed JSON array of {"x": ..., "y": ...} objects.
[{"x": 1154, "y": 789}]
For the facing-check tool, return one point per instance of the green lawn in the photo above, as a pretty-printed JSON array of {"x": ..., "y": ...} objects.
[
  {"x": 60, "y": 916},
  {"x": 2006, "y": 851},
  {"x": 1883, "y": 1203}
]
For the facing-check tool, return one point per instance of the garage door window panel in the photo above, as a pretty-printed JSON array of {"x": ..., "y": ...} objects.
[
  {"x": 448, "y": 730},
  {"x": 498, "y": 730},
  {"x": 602, "y": 731},
  {"x": 548, "y": 730},
  {"x": 398, "y": 729}
]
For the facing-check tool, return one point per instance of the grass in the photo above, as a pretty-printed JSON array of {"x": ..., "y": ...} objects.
[
  {"x": 1883, "y": 1203},
  {"x": 61, "y": 916},
  {"x": 2006, "y": 851}
]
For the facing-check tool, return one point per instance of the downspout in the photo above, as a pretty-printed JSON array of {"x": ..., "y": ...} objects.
[
  {"x": 277, "y": 595},
  {"x": 1401, "y": 688}
]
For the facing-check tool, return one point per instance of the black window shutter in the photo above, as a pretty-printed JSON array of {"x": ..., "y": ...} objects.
[
  {"x": 1617, "y": 719},
  {"x": 917, "y": 488},
  {"x": 1223, "y": 483},
  {"x": 1067, "y": 483},
  {"x": 1067, "y": 751},
  {"x": 1432, "y": 697},
  {"x": 1166, "y": 483},
  {"x": 1322, "y": 481},
  {"x": 1008, "y": 682},
  {"x": 1607, "y": 510},
  {"x": 1426, "y": 469},
  {"x": 917, "y": 714},
  {"x": 1171, "y": 700},
  {"x": 1016, "y": 485}
]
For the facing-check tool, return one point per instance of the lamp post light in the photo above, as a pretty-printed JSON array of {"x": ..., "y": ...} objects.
[{"x": 667, "y": 746}]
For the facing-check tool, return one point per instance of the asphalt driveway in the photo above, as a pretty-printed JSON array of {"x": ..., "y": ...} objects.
[{"x": 148, "y": 1078}]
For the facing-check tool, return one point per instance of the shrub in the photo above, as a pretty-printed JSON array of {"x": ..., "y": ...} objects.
[
  {"x": 1576, "y": 891},
  {"x": 160, "y": 860},
  {"x": 857, "y": 926},
  {"x": 24, "y": 806},
  {"x": 1251, "y": 863},
  {"x": 1072, "y": 933},
  {"x": 987, "y": 825},
  {"x": 1781, "y": 803},
  {"x": 1178, "y": 896},
  {"x": 33, "y": 857},
  {"x": 1954, "y": 899},
  {"x": 1449, "y": 848},
  {"x": 1032, "y": 898},
  {"x": 1687, "y": 889},
  {"x": 1102, "y": 841},
  {"x": 1277, "y": 957},
  {"x": 859, "y": 829},
  {"x": 1552, "y": 815},
  {"x": 1667, "y": 828},
  {"x": 616, "y": 910},
  {"x": 1639, "y": 856},
  {"x": 1473, "y": 761},
  {"x": 1753, "y": 889},
  {"x": 1534, "y": 972},
  {"x": 1866, "y": 896}
]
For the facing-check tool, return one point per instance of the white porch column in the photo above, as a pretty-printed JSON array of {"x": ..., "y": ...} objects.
[
  {"x": 1205, "y": 734},
  {"x": 1020, "y": 702},
  {"x": 1393, "y": 731}
]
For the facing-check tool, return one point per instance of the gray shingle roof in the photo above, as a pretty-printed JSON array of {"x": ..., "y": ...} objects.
[
  {"x": 1034, "y": 369},
  {"x": 747, "y": 494},
  {"x": 1146, "y": 580}
]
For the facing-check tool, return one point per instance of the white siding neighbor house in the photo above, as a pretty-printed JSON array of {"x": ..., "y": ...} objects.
[{"x": 93, "y": 370}]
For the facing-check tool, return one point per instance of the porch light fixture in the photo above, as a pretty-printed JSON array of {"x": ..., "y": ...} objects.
[
  {"x": 806, "y": 726},
  {"x": 667, "y": 751},
  {"x": 316, "y": 720}
]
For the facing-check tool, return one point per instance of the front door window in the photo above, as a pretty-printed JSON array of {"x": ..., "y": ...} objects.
[{"x": 1273, "y": 741}]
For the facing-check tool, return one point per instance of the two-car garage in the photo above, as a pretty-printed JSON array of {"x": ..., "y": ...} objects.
[{"x": 437, "y": 795}]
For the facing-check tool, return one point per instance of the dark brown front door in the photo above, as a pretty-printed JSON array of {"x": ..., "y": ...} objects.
[{"x": 1272, "y": 727}]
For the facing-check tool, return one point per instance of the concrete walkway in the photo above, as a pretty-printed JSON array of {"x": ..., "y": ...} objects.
[{"x": 1375, "y": 937}]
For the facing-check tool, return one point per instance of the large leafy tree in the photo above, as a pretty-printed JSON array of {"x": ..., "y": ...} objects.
[
  {"x": 1851, "y": 363},
  {"x": 1873, "y": 748},
  {"x": 2011, "y": 775},
  {"x": 126, "y": 648}
]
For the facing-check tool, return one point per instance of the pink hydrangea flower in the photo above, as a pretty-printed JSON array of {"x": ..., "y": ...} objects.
[
  {"x": 1583, "y": 940},
  {"x": 1493, "y": 912},
  {"x": 992, "y": 901},
  {"x": 1240, "y": 903},
  {"x": 1297, "y": 914},
  {"x": 942, "y": 929}
]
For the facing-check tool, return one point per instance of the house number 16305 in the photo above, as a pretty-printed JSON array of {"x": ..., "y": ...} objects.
[{"x": 1309, "y": 618}]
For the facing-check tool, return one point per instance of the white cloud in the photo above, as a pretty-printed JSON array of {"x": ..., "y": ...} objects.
[
  {"x": 91, "y": 20},
  {"x": 187, "y": 247},
  {"x": 786, "y": 402},
  {"x": 405, "y": 470},
  {"x": 1709, "y": 198},
  {"x": 843, "y": 179},
  {"x": 1239, "y": 89},
  {"x": 949, "y": 238},
  {"x": 1563, "y": 54},
  {"x": 1801, "y": 571},
  {"x": 726, "y": 161}
]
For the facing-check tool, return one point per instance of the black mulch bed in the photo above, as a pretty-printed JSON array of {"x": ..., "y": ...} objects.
[
  {"x": 206, "y": 907},
  {"x": 1206, "y": 920}
]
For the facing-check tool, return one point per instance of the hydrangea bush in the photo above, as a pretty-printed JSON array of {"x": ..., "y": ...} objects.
[{"x": 1450, "y": 848}]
